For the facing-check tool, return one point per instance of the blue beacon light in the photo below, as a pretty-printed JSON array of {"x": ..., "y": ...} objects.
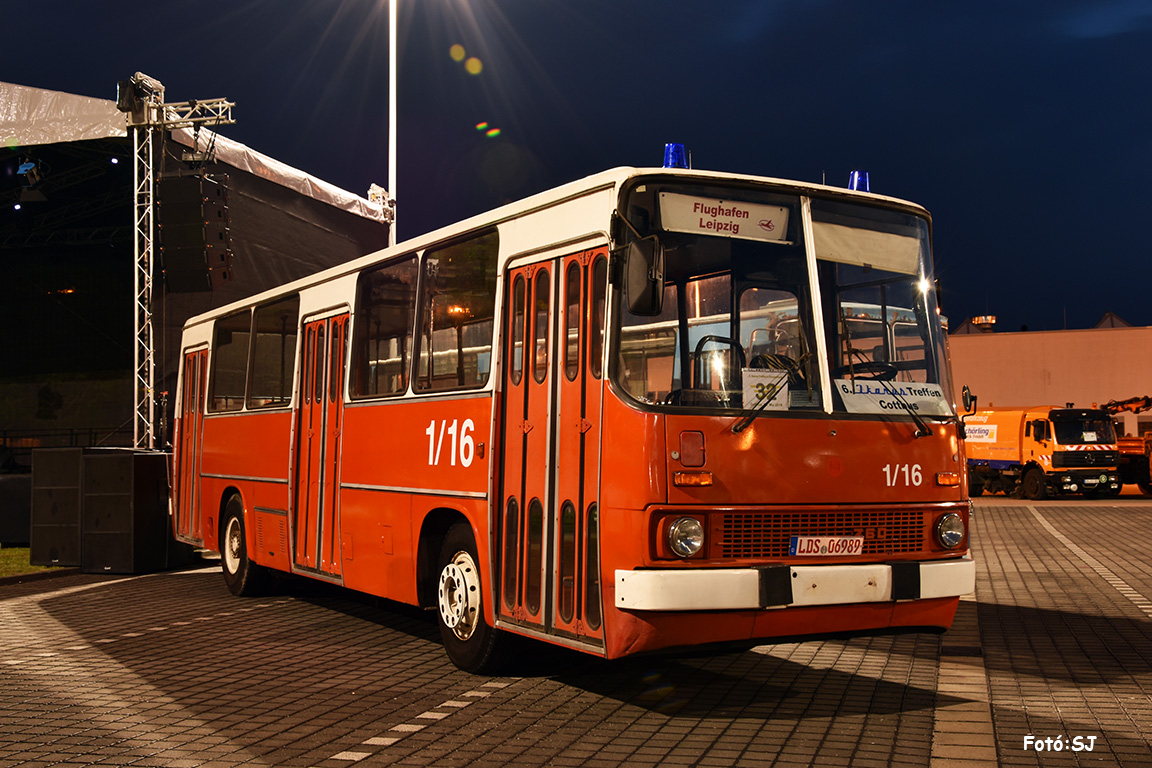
[
  {"x": 858, "y": 180},
  {"x": 675, "y": 156}
]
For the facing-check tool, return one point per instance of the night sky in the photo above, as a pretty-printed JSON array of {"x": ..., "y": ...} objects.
[{"x": 1024, "y": 127}]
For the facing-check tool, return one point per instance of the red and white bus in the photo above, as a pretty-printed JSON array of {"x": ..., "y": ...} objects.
[{"x": 654, "y": 408}]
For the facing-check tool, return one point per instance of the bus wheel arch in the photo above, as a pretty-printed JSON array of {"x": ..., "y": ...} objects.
[
  {"x": 433, "y": 530},
  {"x": 243, "y": 577}
]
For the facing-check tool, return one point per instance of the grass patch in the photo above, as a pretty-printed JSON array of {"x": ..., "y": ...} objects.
[{"x": 15, "y": 561}]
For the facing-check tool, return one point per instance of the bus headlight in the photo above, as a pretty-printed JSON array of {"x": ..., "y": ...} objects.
[
  {"x": 950, "y": 530},
  {"x": 686, "y": 536}
]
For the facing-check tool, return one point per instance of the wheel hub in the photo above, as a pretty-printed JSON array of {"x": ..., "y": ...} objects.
[
  {"x": 232, "y": 546},
  {"x": 458, "y": 595}
]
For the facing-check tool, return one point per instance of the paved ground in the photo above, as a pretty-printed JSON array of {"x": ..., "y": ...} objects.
[{"x": 170, "y": 670}]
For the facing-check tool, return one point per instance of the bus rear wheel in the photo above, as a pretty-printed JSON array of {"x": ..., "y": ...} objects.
[
  {"x": 243, "y": 577},
  {"x": 471, "y": 643}
]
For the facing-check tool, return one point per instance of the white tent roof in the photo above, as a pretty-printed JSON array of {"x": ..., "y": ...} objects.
[{"x": 31, "y": 116}]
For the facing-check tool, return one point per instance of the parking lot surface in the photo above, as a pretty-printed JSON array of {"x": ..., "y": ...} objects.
[{"x": 1049, "y": 664}]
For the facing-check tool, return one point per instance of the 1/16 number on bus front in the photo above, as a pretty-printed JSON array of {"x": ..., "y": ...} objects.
[
  {"x": 909, "y": 474},
  {"x": 466, "y": 446}
]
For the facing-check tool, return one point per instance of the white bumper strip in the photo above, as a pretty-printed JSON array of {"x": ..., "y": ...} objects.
[{"x": 723, "y": 589}]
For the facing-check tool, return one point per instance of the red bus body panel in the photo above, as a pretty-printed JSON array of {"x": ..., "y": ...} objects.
[{"x": 391, "y": 482}]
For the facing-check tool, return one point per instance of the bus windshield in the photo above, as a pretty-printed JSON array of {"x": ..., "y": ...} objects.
[{"x": 745, "y": 324}]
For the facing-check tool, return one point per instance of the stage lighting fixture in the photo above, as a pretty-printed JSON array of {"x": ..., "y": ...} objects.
[
  {"x": 131, "y": 93},
  {"x": 30, "y": 173}
]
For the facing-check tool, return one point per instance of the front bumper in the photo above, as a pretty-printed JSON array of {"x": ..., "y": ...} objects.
[
  {"x": 1081, "y": 480},
  {"x": 783, "y": 586}
]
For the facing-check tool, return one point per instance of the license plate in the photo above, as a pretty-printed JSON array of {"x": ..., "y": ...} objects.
[{"x": 826, "y": 546}]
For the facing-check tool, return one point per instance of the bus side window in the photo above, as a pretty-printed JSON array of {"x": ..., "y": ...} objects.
[
  {"x": 274, "y": 354},
  {"x": 540, "y": 324},
  {"x": 596, "y": 331},
  {"x": 572, "y": 280},
  {"x": 518, "y": 329},
  {"x": 382, "y": 338},
  {"x": 457, "y": 307},
  {"x": 230, "y": 362}
]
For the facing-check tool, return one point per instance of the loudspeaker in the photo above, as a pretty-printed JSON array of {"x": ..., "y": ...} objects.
[
  {"x": 125, "y": 511},
  {"x": 57, "y": 487},
  {"x": 195, "y": 248}
]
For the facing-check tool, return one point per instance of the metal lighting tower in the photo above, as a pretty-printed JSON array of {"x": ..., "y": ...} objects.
[
  {"x": 142, "y": 97},
  {"x": 392, "y": 119}
]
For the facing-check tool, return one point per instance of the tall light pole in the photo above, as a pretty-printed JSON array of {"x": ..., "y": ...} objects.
[{"x": 392, "y": 115}]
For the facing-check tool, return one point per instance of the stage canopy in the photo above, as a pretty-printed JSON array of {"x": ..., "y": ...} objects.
[{"x": 67, "y": 269}]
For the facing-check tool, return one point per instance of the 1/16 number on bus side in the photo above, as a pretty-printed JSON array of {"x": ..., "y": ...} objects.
[{"x": 465, "y": 447}]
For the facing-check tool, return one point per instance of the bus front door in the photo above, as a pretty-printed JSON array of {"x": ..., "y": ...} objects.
[
  {"x": 548, "y": 524},
  {"x": 575, "y": 571},
  {"x": 319, "y": 419}
]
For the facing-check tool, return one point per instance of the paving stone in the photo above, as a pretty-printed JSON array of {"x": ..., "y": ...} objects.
[{"x": 171, "y": 670}]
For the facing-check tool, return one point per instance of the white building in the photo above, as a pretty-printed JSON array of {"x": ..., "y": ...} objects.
[{"x": 1084, "y": 367}]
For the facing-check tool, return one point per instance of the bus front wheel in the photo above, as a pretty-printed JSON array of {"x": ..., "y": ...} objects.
[
  {"x": 471, "y": 643},
  {"x": 243, "y": 577}
]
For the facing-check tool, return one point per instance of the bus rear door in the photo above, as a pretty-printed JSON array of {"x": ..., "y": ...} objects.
[
  {"x": 316, "y": 465},
  {"x": 187, "y": 475}
]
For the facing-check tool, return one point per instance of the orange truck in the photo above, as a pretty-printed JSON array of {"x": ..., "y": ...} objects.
[
  {"x": 1041, "y": 451},
  {"x": 1135, "y": 452}
]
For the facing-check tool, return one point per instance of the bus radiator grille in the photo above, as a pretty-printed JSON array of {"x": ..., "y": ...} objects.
[{"x": 768, "y": 534}]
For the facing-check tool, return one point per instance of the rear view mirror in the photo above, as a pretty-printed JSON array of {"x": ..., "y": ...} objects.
[
  {"x": 969, "y": 401},
  {"x": 644, "y": 276}
]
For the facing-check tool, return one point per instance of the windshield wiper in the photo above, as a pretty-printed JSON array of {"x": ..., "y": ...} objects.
[
  {"x": 767, "y": 396},
  {"x": 921, "y": 425}
]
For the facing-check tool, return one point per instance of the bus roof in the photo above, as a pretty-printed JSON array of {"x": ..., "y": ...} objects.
[{"x": 612, "y": 178}]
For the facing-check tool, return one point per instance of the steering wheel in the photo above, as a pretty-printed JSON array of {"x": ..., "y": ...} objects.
[{"x": 720, "y": 339}]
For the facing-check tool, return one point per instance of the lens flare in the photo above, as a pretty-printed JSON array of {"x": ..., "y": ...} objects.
[
  {"x": 492, "y": 133},
  {"x": 481, "y": 126},
  {"x": 473, "y": 66},
  {"x": 457, "y": 52}
]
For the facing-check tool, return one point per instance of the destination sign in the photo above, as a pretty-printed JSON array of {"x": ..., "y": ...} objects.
[
  {"x": 725, "y": 218},
  {"x": 868, "y": 396}
]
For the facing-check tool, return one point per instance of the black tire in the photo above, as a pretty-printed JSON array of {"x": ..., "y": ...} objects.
[
  {"x": 471, "y": 643},
  {"x": 1033, "y": 485},
  {"x": 1145, "y": 488},
  {"x": 243, "y": 577},
  {"x": 975, "y": 485}
]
